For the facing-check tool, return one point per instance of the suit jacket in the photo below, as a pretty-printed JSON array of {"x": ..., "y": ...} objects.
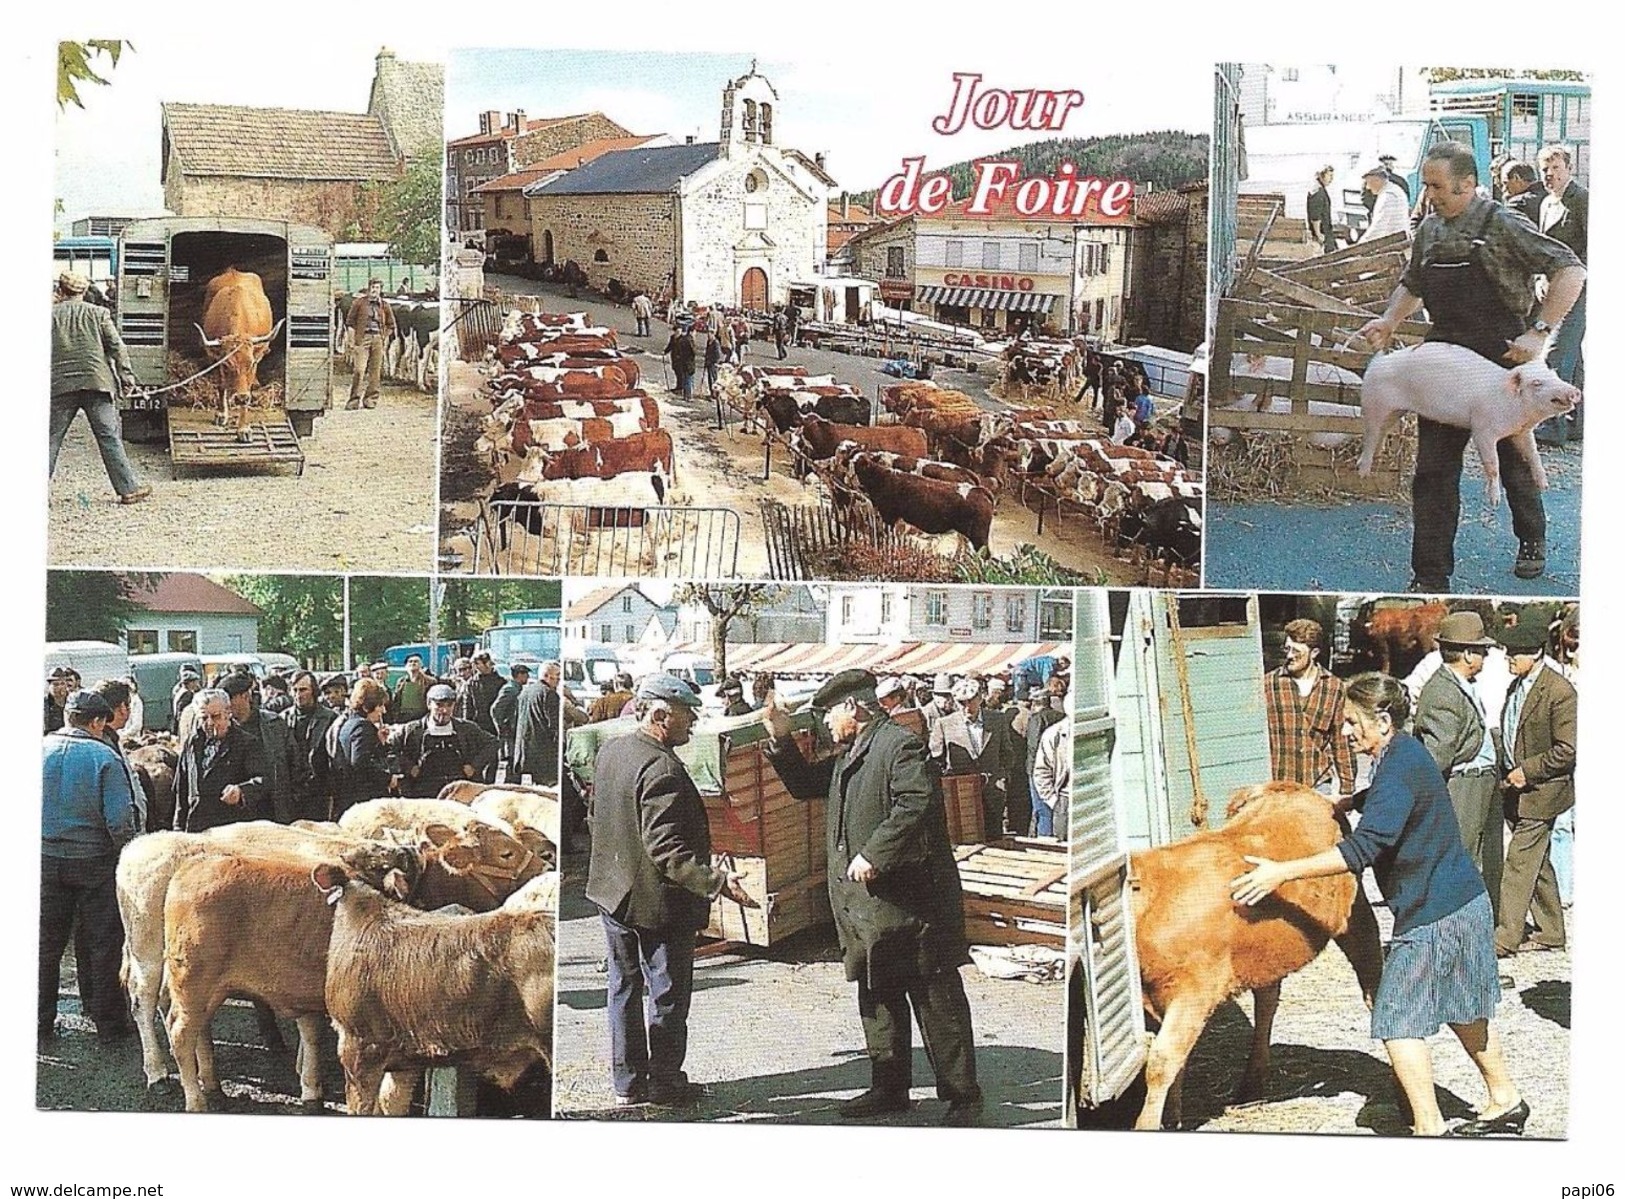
[
  {"x": 650, "y": 865},
  {"x": 198, "y": 788},
  {"x": 287, "y": 770},
  {"x": 1447, "y": 724},
  {"x": 1574, "y": 225},
  {"x": 357, "y": 318},
  {"x": 1529, "y": 204},
  {"x": 475, "y": 747},
  {"x": 537, "y": 732},
  {"x": 310, "y": 736},
  {"x": 86, "y": 350},
  {"x": 950, "y": 745},
  {"x": 883, "y": 803},
  {"x": 1543, "y": 746}
]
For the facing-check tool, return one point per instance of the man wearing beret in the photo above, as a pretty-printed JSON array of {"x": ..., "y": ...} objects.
[
  {"x": 86, "y": 351},
  {"x": 894, "y": 889},
  {"x": 1452, "y": 725},
  {"x": 89, "y": 815},
  {"x": 439, "y": 749},
  {"x": 1538, "y": 726},
  {"x": 651, "y": 877}
]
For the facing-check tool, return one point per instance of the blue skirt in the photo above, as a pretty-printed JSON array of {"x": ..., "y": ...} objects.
[{"x": 1439, "y": 973}]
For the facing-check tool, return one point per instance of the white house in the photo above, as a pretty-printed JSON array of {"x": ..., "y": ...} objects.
[
  {"x": 989, "y": 614},
  {"x": 866, "y": 613},
  {"x": 187, "y": 613},
  {"x": 615, "y": 615}
]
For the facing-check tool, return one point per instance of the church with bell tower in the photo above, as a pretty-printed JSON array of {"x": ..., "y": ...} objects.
[{"x": 731, "y": 222}]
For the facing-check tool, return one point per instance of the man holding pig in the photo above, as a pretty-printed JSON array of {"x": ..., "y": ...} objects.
[{"x": 1474, "y": 266}]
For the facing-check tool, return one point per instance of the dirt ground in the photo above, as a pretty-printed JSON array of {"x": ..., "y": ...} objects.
[
  {"x": 1330, "y": 1077},
  {"x": 757, "y": 1070},
  {"x": 725, "y": 470},
  {"x": 365, "y": 501}
]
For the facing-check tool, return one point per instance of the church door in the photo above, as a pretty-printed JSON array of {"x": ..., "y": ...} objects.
[{"x": 753, "y": 290}]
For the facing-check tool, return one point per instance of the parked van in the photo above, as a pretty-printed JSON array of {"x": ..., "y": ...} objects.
[
  {"x": 280, "y": 663},
  {"x": 94, "y": 660},
  {"x": 216, "y": 666},
  {"x": 698, "y": 671},
  {"x": 156, "y": 675}
]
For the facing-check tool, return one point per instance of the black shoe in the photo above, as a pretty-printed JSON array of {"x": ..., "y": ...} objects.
[
  {"x": 1508, "y": 1123},
  {"x": 676, "y": 1094},
  {"x": 963, "y": 1113},
  {"x": 874, "y": 1103},
  {"x": 1531, "y": 563},
  {"x": 1426, "y": 585}
]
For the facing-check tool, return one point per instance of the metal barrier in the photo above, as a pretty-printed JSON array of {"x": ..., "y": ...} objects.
[
  {"x": 532, "y": 537},
  {"x": 845, "y": 541},
  {"x": 475, "y": 323}
]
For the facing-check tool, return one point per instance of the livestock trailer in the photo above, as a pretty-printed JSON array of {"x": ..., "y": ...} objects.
[
  {"x": 164, "y": 267},
  {"x": 1169, "y": 694}
]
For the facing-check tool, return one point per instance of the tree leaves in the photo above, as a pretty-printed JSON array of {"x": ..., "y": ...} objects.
[
  {"x": 406, "y": 212},
  {"x": 74, "y": 66},
  {"x": 90, "y": 605}
]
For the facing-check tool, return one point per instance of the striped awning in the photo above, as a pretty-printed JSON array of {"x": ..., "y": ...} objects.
[
  {"x": 907, "y": 657},
  {"x": 982, "y": 297}
]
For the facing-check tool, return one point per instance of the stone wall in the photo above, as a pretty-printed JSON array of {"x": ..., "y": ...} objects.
[
  {"x": 555, "y": 139},
  {"x": 869, "y": 255},
  {"x": 636, "y": 233},
  {"x": 331, "y": 205},
  {"x": 1169, "y": 296},
  {"x": 717, "y": 248}
]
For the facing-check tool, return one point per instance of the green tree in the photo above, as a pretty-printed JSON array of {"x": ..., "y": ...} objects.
[
  {"x": 76, "y": 64},
  {"x": 302, "y": 615},
  {"x": 91, "y": 605},
  {"x": 387, "y": 611},
  {"x": 473, "y": 605},
  {"x": 407, "y": 211},
  {"x": 727, "y": 602}
]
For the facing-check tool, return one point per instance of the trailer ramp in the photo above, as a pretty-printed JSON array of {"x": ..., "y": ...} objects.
[{"x": 197, "y": 443}]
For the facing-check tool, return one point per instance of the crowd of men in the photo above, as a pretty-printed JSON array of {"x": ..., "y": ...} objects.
[
  {"x": 283, "y": 748},
  {"x": 1497, "y": 713}
]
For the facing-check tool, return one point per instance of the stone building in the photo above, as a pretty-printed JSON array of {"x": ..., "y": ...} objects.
[
  {"x": 1167, "y": 303},
  {"x": 508, "y": 144},
  {"x": 299, "y": 164},
  {"x": 886, "y": 254},
  {"x": 734, "y": 221},
  {"x": 506, "y": 203}
]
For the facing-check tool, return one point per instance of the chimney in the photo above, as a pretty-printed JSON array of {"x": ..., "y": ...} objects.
[
  {"x": 819, "y": 159},
  {"x": 490, "y": 121},
  {"x": 846, "y": 203},
  {"x": 688, "y": 139},
  {"x": 519, "y": 121}
]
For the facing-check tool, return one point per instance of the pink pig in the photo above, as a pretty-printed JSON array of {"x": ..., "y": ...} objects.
[{"x": 1454, "y": 386}]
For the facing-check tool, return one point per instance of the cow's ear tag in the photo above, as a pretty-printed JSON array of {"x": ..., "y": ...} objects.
[{"x": 333, "y": 897}]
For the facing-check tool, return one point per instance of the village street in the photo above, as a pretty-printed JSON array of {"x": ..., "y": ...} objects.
[
  {"x": 725, "y": 470},
  {"x": 775, "y": 1037}
]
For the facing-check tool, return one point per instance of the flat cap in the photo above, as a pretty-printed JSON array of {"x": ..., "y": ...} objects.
[
  {"x": 668, "y": 687},
  {"x": 519, "y": 668},
  {"x": 890, "y": 685},
  {"x": 88, "y": 704},
  {"x": 441, "y": 693},
  {"x": 73, "y": 283},
  {"x": 237, "y": 684},
  {"x": 335, "y": 680},
  {"x": 59, "y": 672},
  {"x": 1525, "y": 631},
  {"x": 731, "y": 687},
  {"x": 189, "y": 672},
  {"x": 849, "y": 684}
]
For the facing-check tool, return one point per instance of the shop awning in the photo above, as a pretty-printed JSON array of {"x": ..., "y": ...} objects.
[
  {"x": 982, "y": 297},
  {"x": 968, "y": 657},
  {"x": 907, "y": 657}
]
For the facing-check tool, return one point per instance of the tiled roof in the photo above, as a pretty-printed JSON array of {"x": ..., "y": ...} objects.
[
  {"x": 1159, "y": 206},
  {"x": 517, "y": 181},
  {"x": 811, "y": 163},
  {"x": 642, "y": 171},
  {"x": 279, "y": 143},
  {"x": 191, "y": 593},
  {"x": 568, "y": 160},
  {"x": 856, "y": 214},
  {"x": 595, "y": 599}
]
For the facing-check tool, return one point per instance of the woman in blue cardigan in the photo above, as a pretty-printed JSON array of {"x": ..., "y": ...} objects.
[{"x": 1440, "y": 967}]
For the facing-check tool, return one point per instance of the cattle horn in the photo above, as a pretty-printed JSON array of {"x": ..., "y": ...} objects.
[
  {"x": 259, "y": 341},
  {"x": 207, "y": 344}
]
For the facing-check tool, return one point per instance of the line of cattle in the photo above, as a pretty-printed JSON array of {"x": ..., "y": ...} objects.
[{"x": 424, "y": 930}]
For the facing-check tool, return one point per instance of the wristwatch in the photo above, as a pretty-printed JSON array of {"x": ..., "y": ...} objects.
[{"x": 1540, "y": 327}]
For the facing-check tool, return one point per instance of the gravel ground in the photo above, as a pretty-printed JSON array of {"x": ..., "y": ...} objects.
[
  {"x": 1329, "y": 1076},
  {"x": 365, "y": 501},
  {"x": 1262, "y": 546},
  {"x": 725, "y": 469},
  {"x": 757, "y": 1072}
]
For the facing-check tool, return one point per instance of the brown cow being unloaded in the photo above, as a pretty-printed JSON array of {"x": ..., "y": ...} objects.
[
  {"x": 926, "y": 504},
  {"x": 1396, "y": 632},
  {"x": 236, "y": 328},
  {"x": 1198, "y": 948}
]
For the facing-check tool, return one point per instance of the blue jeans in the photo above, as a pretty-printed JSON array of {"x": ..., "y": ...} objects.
[
  {"x": 1043, "y": 815},
  {"x": 685, "y": 384},
  {"x": 651, "y": 981},
  {"x": 1568, "y": 360},
  {"x": 1563, "y": 856},
  {"x": 102, "y": 414},
  {"x": 711, "y": 378}
]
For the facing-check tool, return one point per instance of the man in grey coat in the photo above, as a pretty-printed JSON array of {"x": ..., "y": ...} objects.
[
  {"x": 895, "y": 892},
  {"x": 537, "y": 730},
  {"x": 1451, "y": 724},
  {"x": 85, "y": 351}
]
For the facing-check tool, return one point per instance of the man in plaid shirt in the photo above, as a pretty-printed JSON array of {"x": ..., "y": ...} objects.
[{"x": 1304, "y": 703}]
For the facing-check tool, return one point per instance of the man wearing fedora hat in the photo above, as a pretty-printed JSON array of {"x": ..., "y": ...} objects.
[
  {"x": 1451, "y": 724},
  {"x": 1537, "y": 755},
  {"x": 894, "y": 889},
  {"x": 86, "y": 351},
  {"x": 651, "y": 877}
]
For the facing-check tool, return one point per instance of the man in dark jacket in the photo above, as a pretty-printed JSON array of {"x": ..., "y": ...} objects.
[
  {"x": 680, "y": 348},
  {"x": 220, "y": 778},
  {"x": 894, "y": 889},
  {"x": 971, "y": 740},
  {"x": 86, "y": 351},
  {"x": 475, "y": 699},
  {"x": 56, "y": 695},
  {"x": 505, "y": 709},
  {"x": 537, "y": 729},
  {"x": 1565, "y": 214},
  {"x": 187, "y": 684},
  {"x": 441, "y": 749},
  {"x": 651, "y": 877},
  {"x": 284, "y": 767},
  {"x": 309, "y": 720}
]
